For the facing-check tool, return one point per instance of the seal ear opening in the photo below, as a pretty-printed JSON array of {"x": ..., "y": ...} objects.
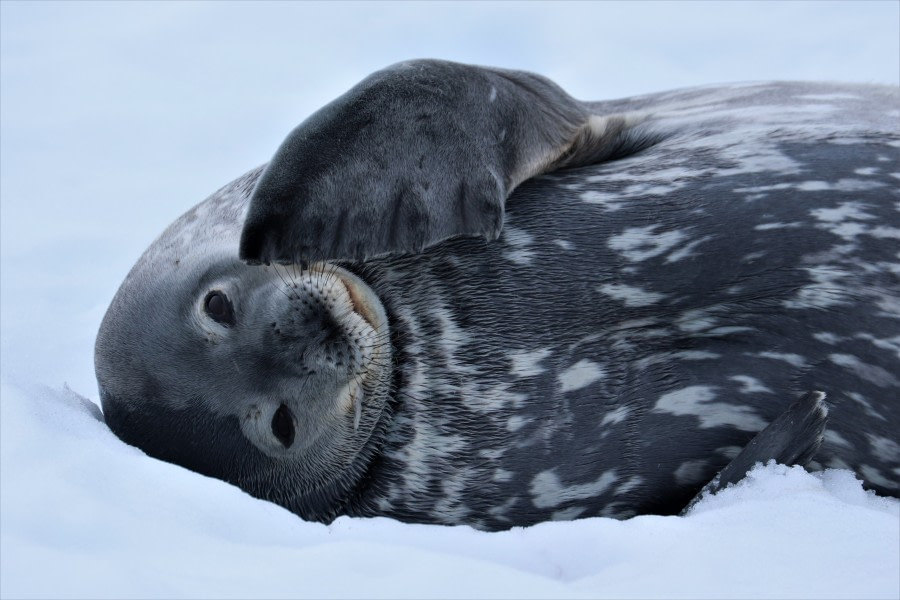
[{"x": 415, "y": 154}]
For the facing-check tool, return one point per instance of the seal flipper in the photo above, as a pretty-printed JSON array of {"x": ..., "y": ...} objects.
[
  {"x": 791, "y": 439},
  {"x": 417, "y": 153}
]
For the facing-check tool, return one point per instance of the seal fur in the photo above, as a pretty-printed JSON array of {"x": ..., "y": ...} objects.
[{"x": 589, "y": 308}]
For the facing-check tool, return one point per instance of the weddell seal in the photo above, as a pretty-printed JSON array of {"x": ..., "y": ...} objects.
[{"x": 458, "y": 295}]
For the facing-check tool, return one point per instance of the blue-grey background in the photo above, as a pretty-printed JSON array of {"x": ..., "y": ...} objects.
[{"x": 115, "y": 117}]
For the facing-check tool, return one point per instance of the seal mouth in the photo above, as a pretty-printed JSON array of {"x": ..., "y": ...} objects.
[
  {"x": 351, "y": 400},
  {"x": 363, "y": 300},
  {"x": 344, "y": 331},
  {"x": 365, "y": 303}
]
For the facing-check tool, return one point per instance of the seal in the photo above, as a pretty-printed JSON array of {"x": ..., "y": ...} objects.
[{"x": 457, "y": 295}]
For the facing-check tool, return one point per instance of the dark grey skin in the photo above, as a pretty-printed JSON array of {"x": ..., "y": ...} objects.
[
  {"x": 457, "y": 295},
  {"x": 417, "y": 154}
]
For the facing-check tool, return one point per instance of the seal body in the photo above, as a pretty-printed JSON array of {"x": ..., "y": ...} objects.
[
  {"x": 657, "y": 310},
  {"x": 636, "y": 322}
]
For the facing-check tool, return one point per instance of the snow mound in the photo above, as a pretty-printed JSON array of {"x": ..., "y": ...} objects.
[{"x": 84, "y": 515}]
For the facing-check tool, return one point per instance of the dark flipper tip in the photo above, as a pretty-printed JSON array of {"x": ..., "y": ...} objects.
[{"x": 791, "y": 439}]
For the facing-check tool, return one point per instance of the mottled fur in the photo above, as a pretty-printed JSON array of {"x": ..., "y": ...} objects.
[{"x": 719, "y": 253}]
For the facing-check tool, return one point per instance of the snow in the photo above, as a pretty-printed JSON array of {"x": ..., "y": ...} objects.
[
  {"x": 86, "y": 516},
  {"x": 117, "y": 117}
]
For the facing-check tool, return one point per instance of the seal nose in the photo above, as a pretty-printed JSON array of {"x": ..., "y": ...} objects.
[
  {"x": 283, "y": 426},
  {"x": 324, "y": 345}
]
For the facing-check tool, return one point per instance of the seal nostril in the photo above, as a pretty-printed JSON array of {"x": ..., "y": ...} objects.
[{"x": 283, "y": 426}]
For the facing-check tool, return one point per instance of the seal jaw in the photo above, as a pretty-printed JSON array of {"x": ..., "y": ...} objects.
[{"x": 364, "y": 300}]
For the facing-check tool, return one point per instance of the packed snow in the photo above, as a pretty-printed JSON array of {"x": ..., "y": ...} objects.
[
  {"x": 85, "y": 516},
  {"x": 117, "y": 117}
]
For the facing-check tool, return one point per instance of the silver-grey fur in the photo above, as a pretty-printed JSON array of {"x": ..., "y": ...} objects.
[{"x": 485, "y": 302}]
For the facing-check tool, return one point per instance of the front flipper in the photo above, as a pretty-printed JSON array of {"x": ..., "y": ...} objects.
[
  {"x": 417, "y": 153},
  {"x": 791, "y": 439}
]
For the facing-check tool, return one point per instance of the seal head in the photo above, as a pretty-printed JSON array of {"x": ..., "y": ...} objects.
[{"x": 272, "y": 378}]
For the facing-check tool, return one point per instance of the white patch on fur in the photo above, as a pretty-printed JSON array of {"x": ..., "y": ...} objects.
[
  {"x": 609, "y": 202},
  {"x": 750, "y": 385},
  {"x": 615, "y": 416},
  {"x": 527, "y": 364},
  {"x": 790, "y": 358},
  {"x": 520, "y": 242},
  {"x": 885, "y": 232},
  {"x": 872, "y": 474},
  {"x": 548, "y": 491},
  {"x": 764, "y": 188},
  {"x": 491, "y": 453},
  {"x": 687, "y": 251},
  {"x": 871, "y": 373},
  {"x": 516, "y": 422},
  {"x": 631, "y": 296},
  {"x": 695, "y": 320},
  {"x": 697, "y": 401},
  {"x": 502, "y": 475},
  {"x": 500, "y": 511},
  {"x": 640, "y": 243},
  {"x": 867, "y": 406},
  {"x": 768, "y": 226},
  {"x": 835, "y": 439},
  {"x": 886, "y": 450},
  {"x": 828, "y": 337},
  {"x": 490, "y": 400},
  {"x": 729, "y": 452},
  {"x": 453, "y": 486},
  {"x": 892, "y": 344},
  {"x": 634, "y": 482},
  {"x": 691, "y": 471},
  {"x": 843, "y": 212},
  {"x": 580, "y": 375},
  {"x": 427, "y": 449},
  {"x": 813, "y": 186},
  {"x": 826, "y": 290}
]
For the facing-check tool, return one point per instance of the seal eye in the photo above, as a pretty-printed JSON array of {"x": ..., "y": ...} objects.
[
  {"x": 219, "y": 308},
  {"x": 283, "y": 426}
]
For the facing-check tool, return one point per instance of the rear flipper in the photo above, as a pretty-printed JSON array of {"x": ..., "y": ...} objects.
[{"x": 791, "y": 439}]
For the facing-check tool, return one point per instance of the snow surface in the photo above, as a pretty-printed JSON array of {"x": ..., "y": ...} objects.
[
  {"x": 117, "y": 117},
  {"x": 86, "y": 516}
]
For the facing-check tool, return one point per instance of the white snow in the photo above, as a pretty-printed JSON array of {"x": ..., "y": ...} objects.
[
  {"x": 117, "y": 117},
  {"x": 85, "y": 516}
]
